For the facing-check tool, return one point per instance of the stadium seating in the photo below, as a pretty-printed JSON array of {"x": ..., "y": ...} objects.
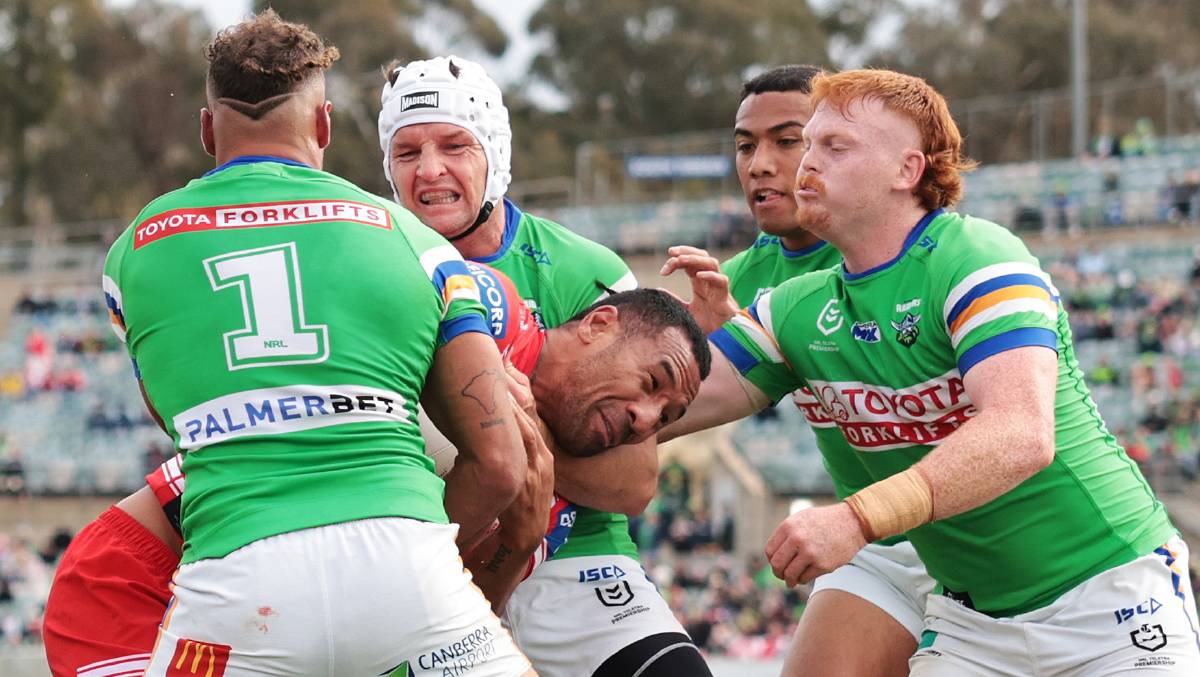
[
  {"x": 72, "y": 420},
  {"x": 81, "y": 426}
]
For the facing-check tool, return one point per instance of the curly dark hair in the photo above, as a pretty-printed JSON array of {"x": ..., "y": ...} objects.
[
  {"x": 265, "y": 57},
  {"x": 650, "y": 312}
]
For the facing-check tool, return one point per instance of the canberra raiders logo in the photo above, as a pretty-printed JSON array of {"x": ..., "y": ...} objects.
[{"x": 907, "y": 330}]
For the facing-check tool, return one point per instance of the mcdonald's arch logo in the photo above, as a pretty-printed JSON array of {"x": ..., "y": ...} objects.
[{"x": 198, "y": 659}]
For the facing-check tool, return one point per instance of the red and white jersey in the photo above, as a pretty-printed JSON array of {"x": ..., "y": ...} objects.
[
  {"x": 167, "y": 480},
  {"x": 517, "y": 333}
]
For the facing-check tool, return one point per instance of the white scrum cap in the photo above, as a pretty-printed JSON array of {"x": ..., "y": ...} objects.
[{"x": 454, "y": 90}]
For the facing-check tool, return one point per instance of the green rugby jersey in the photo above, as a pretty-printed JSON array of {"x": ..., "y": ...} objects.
[
  {"x": 768, "y": 263},
  {"x": 560, "y": 273},
  {"x": 885, "y": 351},
  {"x": 283, "y": 322},
  {"x": 756, "y": 271}
]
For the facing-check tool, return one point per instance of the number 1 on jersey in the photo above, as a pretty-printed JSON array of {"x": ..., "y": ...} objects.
[{"x": 268, "y": 279}]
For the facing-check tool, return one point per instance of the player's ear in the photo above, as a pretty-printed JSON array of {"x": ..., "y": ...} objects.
[
  {"x": 601, "y": 322},
  {"x": 207, "y": 138},
  {"x": 324, "y": 124},
  {"x": 912, "y": 168}
]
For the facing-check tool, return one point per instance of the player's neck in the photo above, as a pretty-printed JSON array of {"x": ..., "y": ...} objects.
[
  {"x": 798, "y": 240},
  {"x": 867, "y": 245},
  {"x": 486, "y": 239},
  {"x": 544, "y": 375},
  {"x": 298, "y": 152}
]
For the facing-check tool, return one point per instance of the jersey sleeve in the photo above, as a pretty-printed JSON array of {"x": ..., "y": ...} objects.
[
  {"x": 562, "y": 520},
  {"x": 998, "y": 299},
  {"x": 609, "y": 274},
  {"x": 462, "y": 311},
  {"x": 167, "y": 482},
  {"x": 114, "y": 303},
  {"x": 749, "y": 342},
  {"x": 512, "y": 324}
]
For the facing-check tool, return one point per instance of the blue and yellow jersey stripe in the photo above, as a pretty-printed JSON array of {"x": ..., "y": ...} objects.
[
  {"x": 112, "y": 301},
  {"x": 997, "y": 291},
  {"x": 453, "y": 281},
  {"x": 753, "y": 324},
  {"x": 1014, "y": 291}
]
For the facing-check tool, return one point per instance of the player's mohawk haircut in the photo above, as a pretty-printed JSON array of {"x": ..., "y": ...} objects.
[{"x": 265, "y": 57}]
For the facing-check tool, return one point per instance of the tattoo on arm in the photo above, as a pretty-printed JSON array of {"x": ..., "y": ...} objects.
[
  {"x": 482, "y": 388},
  {"x": 497, "y": 560}
]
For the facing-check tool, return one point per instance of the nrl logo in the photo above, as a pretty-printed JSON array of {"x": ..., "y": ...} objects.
[
  {"x": 907, "y": 329},
  {"x": 1149, "y": 637},
  {"x": 618, "y": 594},
  {"x": 830, "y": 319}
]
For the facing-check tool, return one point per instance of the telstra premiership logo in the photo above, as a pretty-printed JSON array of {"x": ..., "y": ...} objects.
[{"x": 830, "y": 319}]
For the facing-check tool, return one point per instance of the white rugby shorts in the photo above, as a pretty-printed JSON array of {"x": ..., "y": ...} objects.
[
  {"x": 892, "y": 577},
  {"x": 573, "y": 614},
  {"x": 355, "y": 598},
  {"x": 1136, "y": 619}
]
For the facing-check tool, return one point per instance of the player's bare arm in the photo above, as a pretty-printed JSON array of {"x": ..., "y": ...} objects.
[
  {"x": 725, "y": 395},
  {"x": 466, "y": 397},
  {"x": 498, "y": 563},
  {"x": 1007, "y": 442},
  {"x": 622, "y": 479},
  {"x": 142, "y": 506}
]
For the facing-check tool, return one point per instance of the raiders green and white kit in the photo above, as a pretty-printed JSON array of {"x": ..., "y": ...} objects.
[
  {"x": 884, "y": 353},
  {"x": 283, "y": 322},
  {"x": 887, "y": 574}
]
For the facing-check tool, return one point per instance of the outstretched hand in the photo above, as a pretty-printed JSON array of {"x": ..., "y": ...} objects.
[{"x": 711, "y": 304}]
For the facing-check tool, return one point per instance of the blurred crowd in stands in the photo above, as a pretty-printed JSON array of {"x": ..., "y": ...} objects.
[
  {"x": 71, "y": 417},
  {"x": 730, "y": 606},
  {"x": 1137, "y": 338},
  {"x": 26, "y": 570},
  {"x": 1139, "y": 139},
  {"x": 72, "y": 422}
]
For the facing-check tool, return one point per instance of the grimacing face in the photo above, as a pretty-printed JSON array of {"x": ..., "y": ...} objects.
[
  {"x": 622, "y": 391},
  {"x": 769, "y": 146},
  {"x": 440, "y": 173}
]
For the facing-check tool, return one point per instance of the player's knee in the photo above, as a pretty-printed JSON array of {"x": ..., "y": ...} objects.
[{"x": 666, "y": 654}]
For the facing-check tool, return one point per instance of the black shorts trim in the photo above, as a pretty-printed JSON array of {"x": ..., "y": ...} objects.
[{"x": 666, "y": 654}]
